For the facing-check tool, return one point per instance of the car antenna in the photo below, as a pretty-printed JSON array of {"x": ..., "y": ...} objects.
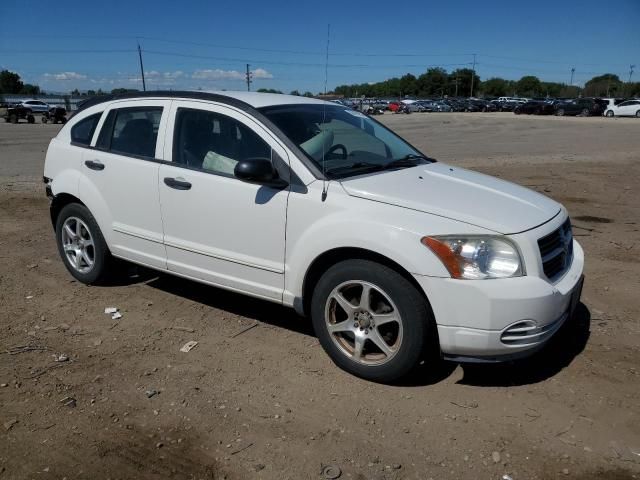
[{"x": 324, "y": 114}]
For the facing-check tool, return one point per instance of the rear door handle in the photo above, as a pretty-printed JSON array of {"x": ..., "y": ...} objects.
[
  {"x": 94, "y": 165},
  {"x": 177, "y": 184}
]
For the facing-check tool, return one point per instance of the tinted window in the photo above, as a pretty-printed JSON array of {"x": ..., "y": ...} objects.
[
  {"x": 131, "y": 131},
  {"x": 82, "y": 132},
  {"x": 214, "y": 142}
]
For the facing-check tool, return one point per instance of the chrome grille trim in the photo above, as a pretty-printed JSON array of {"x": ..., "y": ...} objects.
[{"x": 527, "y": 333}]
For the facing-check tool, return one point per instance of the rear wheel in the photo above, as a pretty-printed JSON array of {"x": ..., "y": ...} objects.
[
  {"x": 81, "y": 244},
  {"x": 638, "y": 114},
  {"x": 31, "y": 118},
  {"x": 13, "y": 118},
  {"x": 560, "y": 112},
  {"x": 609, "y": 113},
  {"x": 585, "y": 112},
  {"x": 371, "y": 320}
]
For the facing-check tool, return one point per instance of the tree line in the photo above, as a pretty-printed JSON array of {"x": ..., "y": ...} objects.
[
  {"x": 434, "y": 83},
  {"x": 437, "y": 82}
]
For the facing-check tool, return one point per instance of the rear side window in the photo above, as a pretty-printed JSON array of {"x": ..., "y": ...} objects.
[
  {"x": 82, "y": 132},
  {"x": 131, "y": 131}
]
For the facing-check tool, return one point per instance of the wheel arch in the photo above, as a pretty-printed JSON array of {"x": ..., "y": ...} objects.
[
  {"x": 60, "y": 201},
  {"x": 331, "y": 257}
]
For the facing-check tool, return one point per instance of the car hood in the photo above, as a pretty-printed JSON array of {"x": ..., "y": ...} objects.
[{"x": 459, "y": 194}]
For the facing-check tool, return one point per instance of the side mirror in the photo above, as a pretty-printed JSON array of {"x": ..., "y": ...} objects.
[{"x": 258, "y": 170}]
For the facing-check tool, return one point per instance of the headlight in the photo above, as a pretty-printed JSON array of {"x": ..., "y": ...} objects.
[{"x": 476, "y": 257}]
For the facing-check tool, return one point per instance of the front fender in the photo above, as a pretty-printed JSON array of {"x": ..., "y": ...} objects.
[{"x": 315, "y": 227}]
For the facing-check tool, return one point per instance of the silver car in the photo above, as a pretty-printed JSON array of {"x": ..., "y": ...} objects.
[{"x": 36, "y": 106}]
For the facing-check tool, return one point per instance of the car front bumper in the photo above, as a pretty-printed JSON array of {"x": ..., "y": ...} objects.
[{"x": 502, "y": 319}]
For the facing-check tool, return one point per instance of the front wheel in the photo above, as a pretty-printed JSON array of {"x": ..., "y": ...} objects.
[
  {"x": 81, "y": 244},
  {"x": 560, "y": 112},
  {"x": 371, "y": 320},
  {"x": 638, "y": 114},
  {"x": 585, "y": 112},
  {"x": 609, "y": 113}
]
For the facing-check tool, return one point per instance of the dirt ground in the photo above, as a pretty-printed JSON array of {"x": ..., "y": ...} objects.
[{"x": 266, "y": 402}]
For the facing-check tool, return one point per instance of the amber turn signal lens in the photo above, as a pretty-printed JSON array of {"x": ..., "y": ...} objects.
[{"x": 445, "y": 254}]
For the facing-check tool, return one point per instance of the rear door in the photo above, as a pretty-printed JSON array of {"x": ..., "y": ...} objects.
[
  {"x": 629, "y": 107},
  {"x": 218, "y": 228},
  {"x": 122, "y": 179}
]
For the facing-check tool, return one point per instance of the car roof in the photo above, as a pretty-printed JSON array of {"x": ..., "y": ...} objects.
[{"x": 239, "y": 99}]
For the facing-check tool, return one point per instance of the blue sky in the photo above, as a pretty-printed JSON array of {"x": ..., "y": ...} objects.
[{"x": 206, "y": 44}]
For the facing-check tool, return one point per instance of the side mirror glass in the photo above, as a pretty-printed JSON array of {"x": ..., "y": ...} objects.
[{"x": 258, "y": 170}]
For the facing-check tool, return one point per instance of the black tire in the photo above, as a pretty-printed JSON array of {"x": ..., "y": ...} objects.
[
  {"x": 638, "y": 114},
  {"x": 44, "y": 119},
  {"x": 103, "y": 261},
  {"x": 609, "y": 113},
  {"x": 560, "y": 112},
  {"x": 585, "y": 112},
  {"x": 31, "y": 119},
  {"x": 13, "y": 118},
  {"x": 63, "y": 120},
  {"x": 416, "y": 317}
]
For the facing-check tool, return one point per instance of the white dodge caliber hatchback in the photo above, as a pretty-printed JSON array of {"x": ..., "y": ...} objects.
[{"x": 318, "y": 207}]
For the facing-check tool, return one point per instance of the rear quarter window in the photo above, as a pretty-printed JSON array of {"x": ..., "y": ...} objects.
[{"x": 82, "y": 132}]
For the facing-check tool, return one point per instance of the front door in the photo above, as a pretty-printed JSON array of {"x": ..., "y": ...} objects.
[{"x": 217, "y": 228}]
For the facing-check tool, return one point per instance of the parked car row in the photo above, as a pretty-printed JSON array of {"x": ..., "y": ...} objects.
[{"x": 609, "y": 107}]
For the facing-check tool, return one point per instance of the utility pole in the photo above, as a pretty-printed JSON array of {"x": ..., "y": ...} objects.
[
  {"x": 473, "y": 75},
  {"x": 573, "y": 70},
  {"x": 631, "y": 67},
  {"x": 248, "y": 75},
  {"x": 456, "y": 83},
  {"x": 144, "y": 85}
]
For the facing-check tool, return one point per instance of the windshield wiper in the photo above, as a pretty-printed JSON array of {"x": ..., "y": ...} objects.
[
  {"x": 410, "y": 160},
  {"x": 356, "y": 166}
]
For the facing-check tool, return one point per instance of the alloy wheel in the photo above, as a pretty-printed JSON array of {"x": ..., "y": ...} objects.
[
  {"x": 363, "y": 322},
  {"x": 78, "y": 245}
]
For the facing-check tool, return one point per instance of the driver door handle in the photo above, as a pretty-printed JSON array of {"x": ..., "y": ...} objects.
[{"x": 177, "y": 184}]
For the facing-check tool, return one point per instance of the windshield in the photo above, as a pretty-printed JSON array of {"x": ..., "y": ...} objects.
[{"x": 343, "y": 142}]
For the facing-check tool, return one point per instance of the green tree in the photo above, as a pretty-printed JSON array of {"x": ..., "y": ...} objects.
[
  {"x": 268, "y": 90},
  {"x": 10, "y": 82},
  {"x": 496, "y": 87},
  {"x": 462, "y": 77},
  {"x": 529, "y": 85},
  {"x": 28, "y": 89},
  {"x": 75, "y": 92},
  {"x": 603, "y": 85},
  {"x": 408, "y": 85},
  {"x": 434, "y": 82},
  {"x": 295, "y": 92}
]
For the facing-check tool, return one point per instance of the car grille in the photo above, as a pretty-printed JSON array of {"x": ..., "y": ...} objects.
[{"x": 556, "y": 251}]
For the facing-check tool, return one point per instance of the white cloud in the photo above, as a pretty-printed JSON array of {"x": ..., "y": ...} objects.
[
  {"x": 261, "y": 73},
  {"x": 218, "y": 74},
  {"x": 65, "y": 76}
]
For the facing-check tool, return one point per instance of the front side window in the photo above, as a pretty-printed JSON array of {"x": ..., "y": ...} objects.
[
  {"x": 131, "y": 131},
  {"x": 342, "y": 142},
  {"x": 214, "y": 142},
  {"x": 82, "y": 132}
]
